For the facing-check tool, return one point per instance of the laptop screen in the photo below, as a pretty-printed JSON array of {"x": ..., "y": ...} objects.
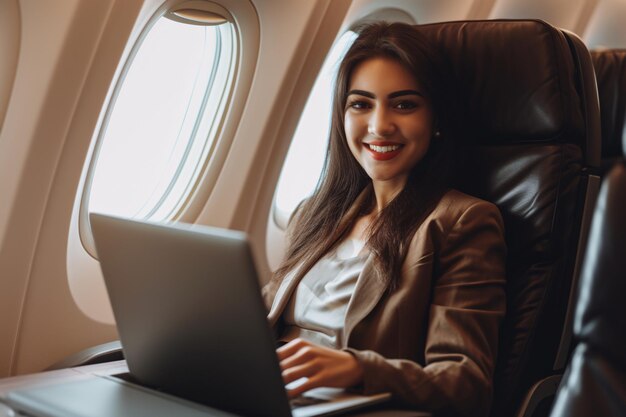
[{"x": 190, "y": 315}]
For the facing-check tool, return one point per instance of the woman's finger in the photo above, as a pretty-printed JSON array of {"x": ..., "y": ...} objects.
[
  {"x": 303, "y": 355},
  {"x": 311, "y": 383},
  {"x": 291, "y": 348},
  {"x": 307, "y": 370}
]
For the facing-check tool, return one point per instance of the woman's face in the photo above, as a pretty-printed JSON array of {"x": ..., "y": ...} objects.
[{"x": 388, "y": 121}]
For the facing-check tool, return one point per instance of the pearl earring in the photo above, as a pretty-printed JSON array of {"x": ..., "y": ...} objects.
[{"x": 437, "y": 133}]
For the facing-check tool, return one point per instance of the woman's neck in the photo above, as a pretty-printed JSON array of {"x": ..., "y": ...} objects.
[{"x": 386, "y": 191}]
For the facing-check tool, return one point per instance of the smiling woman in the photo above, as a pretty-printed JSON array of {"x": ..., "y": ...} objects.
[{"x": 385, "y": 235}]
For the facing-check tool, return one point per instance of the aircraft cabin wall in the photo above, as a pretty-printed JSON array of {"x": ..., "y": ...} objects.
[{"x": 63, "y": 66}]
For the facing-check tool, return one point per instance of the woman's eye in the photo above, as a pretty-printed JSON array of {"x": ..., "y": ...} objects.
[
  {"x": 406, "y": 105},
  {"x": 358, "y": 105}
]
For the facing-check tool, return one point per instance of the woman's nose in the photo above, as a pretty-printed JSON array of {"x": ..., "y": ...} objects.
[{"x": 380, "y": 124}]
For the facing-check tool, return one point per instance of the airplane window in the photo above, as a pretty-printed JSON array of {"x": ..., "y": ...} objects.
[
  {"x": 160, "y": 131},
  {"x": 305, "y": 158}
]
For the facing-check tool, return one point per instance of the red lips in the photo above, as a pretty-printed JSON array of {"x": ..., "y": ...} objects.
[{"x": 383, "y": 156}]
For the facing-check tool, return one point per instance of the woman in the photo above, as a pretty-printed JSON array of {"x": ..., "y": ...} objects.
[{"x": 393, "y": 281}]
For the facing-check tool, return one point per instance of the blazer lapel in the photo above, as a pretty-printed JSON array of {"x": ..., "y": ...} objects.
[
  {"x": 370, "y": 287},
  {"x": 283, "y": 294}
]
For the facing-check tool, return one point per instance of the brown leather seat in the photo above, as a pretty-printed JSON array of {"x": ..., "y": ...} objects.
[
  {"x": 532, "y": 137},
  {"x": 610, "y": 67},
  {"x": 595, "y": 383}
]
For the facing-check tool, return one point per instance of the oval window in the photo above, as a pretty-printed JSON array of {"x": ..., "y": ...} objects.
[
  {"x": 159, "y": 133},
  {"x": 307, "y": 151}
]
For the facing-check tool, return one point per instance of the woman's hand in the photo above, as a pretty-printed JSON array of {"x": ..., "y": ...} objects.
[{"x": 324, "y": 367}]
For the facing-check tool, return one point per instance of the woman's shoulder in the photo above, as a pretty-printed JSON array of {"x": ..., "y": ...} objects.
[
  {"x": 455, "y": 205},
  {"x": 457, "y": 210},
  {"x": 455, "y": 200}
]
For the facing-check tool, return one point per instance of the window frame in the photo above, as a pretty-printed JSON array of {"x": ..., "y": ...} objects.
[{"x": 190, "y": 204}]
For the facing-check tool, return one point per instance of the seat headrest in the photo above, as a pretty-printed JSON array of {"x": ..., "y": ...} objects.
[
  {"x": 517, "y": 80},
  {"x": 610, "y": 67}
]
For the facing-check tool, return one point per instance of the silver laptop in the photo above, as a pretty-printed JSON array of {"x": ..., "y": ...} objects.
[{"x": 192, "y": 322}]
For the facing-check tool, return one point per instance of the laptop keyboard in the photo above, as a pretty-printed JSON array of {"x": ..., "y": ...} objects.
[
  {"x": 301, "y": 401},
  {"x": 304, "y": 400}
]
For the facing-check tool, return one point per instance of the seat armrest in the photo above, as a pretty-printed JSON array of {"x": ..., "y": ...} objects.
[
  {"x": 541, "y": 390},
  {"x": 105, "y": 352}
]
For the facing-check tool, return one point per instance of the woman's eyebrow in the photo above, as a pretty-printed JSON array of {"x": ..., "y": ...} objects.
[
  {"x": 391, "y": 95},
  {"x": 405, "y": 93},
  {"x": 361, "y": 93}
]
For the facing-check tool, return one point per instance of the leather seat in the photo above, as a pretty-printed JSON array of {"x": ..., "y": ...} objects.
[
  {"x": 610, "y": 67},
  {"x": 532, "y": 138},
  {"x": 595, "y": 383}
]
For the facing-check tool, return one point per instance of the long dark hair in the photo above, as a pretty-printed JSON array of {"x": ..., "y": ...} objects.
[{"x": 320, "y": 222}]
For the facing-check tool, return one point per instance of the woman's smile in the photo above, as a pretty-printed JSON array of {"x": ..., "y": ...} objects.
[{"x": 383, "y": 150}]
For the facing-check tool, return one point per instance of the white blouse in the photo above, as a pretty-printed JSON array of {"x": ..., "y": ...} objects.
[{"x": 317, "y": 309}]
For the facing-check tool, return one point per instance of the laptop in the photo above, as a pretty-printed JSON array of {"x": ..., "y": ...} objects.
[{"x": 192, "y": 324}]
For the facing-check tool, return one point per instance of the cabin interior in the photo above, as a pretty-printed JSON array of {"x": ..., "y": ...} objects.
[{"x": 117, "y": 106}]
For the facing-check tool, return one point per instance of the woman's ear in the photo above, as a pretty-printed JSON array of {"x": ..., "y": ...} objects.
[{"x": 436, "y": 130}]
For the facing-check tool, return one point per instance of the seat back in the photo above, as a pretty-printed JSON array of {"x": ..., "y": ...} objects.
[
  {"x": 595, "y": 382},
  {"x": 532, "y": 136},
  {"x": 610, "y": 67}
]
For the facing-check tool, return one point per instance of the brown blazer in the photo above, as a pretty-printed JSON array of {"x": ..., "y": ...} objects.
[{"x": 432, "y": 342}]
